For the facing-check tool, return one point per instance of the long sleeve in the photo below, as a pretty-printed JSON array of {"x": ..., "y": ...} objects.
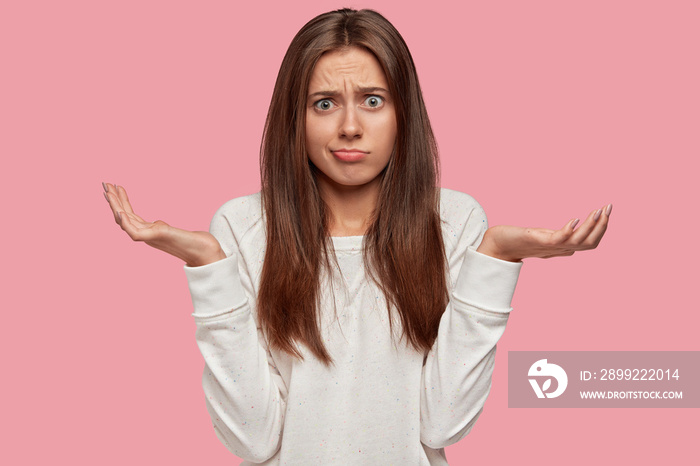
[
  {"x": 241, "y": 387},
  {"x": 456, "y": 376}
]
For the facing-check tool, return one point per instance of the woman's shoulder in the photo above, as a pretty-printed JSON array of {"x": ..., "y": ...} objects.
[
  {"x": 456, "y": 207},
  {"x": 237, "y": 216},
  {"x": 463, "y": 220},
  {"x": 244, "y": 206}
]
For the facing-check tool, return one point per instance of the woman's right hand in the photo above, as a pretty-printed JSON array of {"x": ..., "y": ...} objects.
[{"x": 196, "y": 248}]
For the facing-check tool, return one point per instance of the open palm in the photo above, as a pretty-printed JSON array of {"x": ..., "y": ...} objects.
[
  {"x": 196, "y": 248},
  {"x": 516, "y": 243}
]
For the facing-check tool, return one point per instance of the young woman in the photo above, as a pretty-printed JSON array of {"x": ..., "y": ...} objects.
[{"x": 349, "y": 312}]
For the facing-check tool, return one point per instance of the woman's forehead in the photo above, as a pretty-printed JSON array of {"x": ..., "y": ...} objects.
[{"x": 353, "y": 66}]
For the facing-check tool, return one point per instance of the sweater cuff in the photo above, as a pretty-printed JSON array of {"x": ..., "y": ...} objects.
[
  {"x": 215, "y": 288},
  {"x": 486, "y": 282}
]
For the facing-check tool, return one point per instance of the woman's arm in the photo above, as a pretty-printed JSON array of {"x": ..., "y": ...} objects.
[
  {"x": 242, "y": 390},
  {"x": 458, "y": 369},
  {"x": 456, "y": 376}
]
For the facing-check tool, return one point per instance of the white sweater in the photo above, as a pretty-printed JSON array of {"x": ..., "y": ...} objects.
[{"x": 381, "y": 404}]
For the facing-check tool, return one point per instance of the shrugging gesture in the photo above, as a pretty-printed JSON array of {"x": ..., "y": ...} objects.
[
  {"x": 504, "y": 242},
  {"x": 194, "y": 247},
  {"x": 516, "y": 243}
]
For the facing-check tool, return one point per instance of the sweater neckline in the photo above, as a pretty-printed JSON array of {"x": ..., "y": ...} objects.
[{"x": 347, "y": 243}]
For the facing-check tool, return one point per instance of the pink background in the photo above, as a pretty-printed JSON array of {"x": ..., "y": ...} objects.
[{"x": 544, "y": 111}]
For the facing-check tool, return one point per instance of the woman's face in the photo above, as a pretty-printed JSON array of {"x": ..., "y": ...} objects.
[{"x": 350, "y": 120}]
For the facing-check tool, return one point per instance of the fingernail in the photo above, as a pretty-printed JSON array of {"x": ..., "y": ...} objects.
[
  {"x": 104, "y": 186},
  {"x": 597, "y": 215},
  {"x": 106, "y": 196},
  {"x": 573, "y": 225},
  {"x": 119, "y": 214},
  {"x": 116, "y": 186},
  {"x": 608, "y": 209}
]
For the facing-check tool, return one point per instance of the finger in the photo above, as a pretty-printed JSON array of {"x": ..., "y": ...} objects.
[
  {"x": 109, "y": 188},
  {"x": 128, "y": 226},
  {"x": 137, "y": 230},
  {"x": 560, "y": 236},
  {"x": 111, "y": 191},
  {"x": 598, "y": 231},
  {"x": 121, "y": 193},
  {"x": 607, "y": 210},
  {"x": 583, "y": 231},
  {"x": 114, "y": 205},
  {"x": 122, "y": 200}
]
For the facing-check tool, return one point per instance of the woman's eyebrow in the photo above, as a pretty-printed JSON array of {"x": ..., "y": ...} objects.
[{"x": 361, "y": 90}]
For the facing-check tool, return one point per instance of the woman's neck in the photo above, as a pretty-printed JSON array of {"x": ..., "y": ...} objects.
[{"x": 352, "y": 207}]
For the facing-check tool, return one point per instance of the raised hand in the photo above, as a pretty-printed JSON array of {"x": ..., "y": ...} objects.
[
  {"x": 516, "y": 243},
  {"x": 196, "y": 248}
]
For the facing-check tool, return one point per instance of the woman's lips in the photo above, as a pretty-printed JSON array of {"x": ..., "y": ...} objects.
[{"x": 349, "y": 155}]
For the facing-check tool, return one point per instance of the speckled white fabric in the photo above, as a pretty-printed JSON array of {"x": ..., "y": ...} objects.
[{"x": 383, "y": 403}]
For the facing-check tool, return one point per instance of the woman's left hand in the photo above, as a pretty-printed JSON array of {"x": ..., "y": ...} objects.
[{"x": 516, "y": 243}]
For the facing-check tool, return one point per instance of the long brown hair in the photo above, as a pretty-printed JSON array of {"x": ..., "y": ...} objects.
[{"x": 403, "y": 247}]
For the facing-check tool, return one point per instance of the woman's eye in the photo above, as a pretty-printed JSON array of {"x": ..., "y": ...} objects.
[
  {"x": 324, "y": 104},
  {"x": 374, "y": 101}
]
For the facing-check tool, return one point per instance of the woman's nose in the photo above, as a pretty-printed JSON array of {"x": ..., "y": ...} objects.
[{"x": 351, "y": 126}]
